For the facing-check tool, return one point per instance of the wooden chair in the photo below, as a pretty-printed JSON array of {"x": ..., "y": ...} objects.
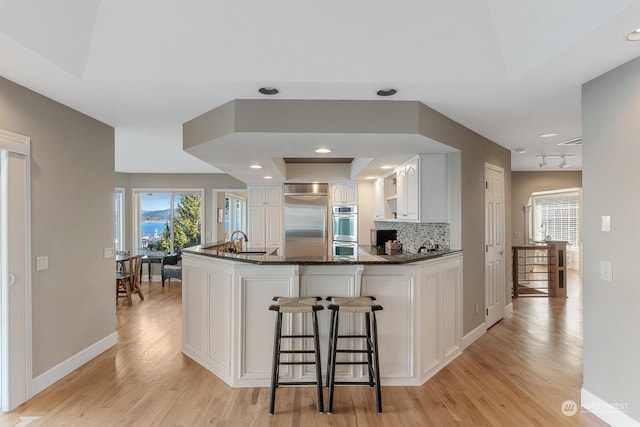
[{"x": 129, "y": 278}]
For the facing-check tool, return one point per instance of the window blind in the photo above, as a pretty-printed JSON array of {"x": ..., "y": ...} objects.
[{"x": 557, "y": 217}]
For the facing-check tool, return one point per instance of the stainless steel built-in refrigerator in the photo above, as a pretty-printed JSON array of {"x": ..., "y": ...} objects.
[{"x": 305, "y": 220}]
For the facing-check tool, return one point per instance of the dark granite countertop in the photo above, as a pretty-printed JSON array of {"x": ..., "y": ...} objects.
[{"x": 266, "y": 256}]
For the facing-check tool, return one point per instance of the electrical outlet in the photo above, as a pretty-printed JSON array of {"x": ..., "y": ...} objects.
[
  {"x": 606, "y": 223},
  {"x": 109, "y": 252},
  {"x": 606, "y": 271},
  {"x": 42, "y": 263}
]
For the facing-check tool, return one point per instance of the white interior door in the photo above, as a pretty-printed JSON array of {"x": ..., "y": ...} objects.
[
  {"x": 494, "y": 244},
  {"x": 15, "y": 271}
]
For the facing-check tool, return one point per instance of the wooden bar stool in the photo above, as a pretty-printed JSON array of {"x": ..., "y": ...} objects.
[
  {"x": 295, "y": 305},
  {"x": 366, "y": 306}
]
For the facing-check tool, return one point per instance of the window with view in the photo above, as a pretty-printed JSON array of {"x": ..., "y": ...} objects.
[
  {"x": 556, "y": 216},
  {"x": 168, "y": 220},
  {"x": 235, "y": 214}
]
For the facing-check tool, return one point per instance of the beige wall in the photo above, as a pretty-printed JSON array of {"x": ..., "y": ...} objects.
[
  {"x": 72, "y": 182},
  {"x": 525, "y": 183},
  {"x": 475, "y": 152},
  {"x": 610, "y": 129}
]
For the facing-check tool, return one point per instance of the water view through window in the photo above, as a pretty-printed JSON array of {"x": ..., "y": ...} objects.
[{"x": 169, "y": 221}]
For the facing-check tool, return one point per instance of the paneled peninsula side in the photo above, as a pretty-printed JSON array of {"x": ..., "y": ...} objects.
[{"x": 228, "y": 329}]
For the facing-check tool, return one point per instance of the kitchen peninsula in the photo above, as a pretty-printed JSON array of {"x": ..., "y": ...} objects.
[{"x": 228, "y": 328}]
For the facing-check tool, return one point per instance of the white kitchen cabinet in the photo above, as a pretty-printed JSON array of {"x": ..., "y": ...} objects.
[
  {"x": 434, "y": 188},
  {"x": 344, "y": 193},
  {"x": 422, "y": 317},
  {"x": 228, "y": 328},
  {"x": 408, "y": 191},
  {"x": 419, "y": 190},
  {"x": 264, "y": 216},
  {"x": 264, "y": 227},
  {"x": 378, "y": 200},
  {"x": 394, "y": 287},
  {"x": 261, "y": 195},
  {"x": 441, "y": 315}
]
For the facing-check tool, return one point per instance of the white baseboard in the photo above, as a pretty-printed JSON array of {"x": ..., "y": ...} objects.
[
  {"x": 64, "y": 368},
  {"x": 611, "y": 413},
  {"x": 468, "y": 339},
  {"x": 508, "y": 309}
]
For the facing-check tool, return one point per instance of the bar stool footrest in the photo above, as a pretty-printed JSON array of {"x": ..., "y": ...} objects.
[
  {"x": 353, "y": 383},
  {"x": 297, "y": 336},
  {"x": 297, "y": 383},
  {"x": 298, "y": 363}
]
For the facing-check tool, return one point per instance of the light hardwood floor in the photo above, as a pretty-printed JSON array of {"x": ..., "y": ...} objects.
[{"x": 517, "y": 374}]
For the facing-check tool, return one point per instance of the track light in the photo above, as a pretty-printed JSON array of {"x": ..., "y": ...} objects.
[
  {"x": 543, "y": 163},
  {"x": 563, "y": 164}
]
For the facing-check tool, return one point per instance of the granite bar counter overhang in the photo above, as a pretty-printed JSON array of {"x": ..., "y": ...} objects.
[
  {"x": 228, "y": 328},
  {"x": 367, "y": 255}
]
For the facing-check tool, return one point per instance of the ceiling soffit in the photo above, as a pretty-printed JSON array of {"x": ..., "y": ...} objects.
[{"x": 266, "y": 131}]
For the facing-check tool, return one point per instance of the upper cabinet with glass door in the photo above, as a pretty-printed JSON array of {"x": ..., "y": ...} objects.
[{"x": 416, "y": 191}]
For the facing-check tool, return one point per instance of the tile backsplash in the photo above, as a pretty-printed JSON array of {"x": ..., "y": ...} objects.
[{"x": 413, "y": 235}]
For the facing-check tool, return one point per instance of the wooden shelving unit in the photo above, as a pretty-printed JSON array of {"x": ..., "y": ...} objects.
[{"x": 537, "y": 265}]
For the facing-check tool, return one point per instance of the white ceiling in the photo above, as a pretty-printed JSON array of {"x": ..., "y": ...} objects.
[{"x": 509, "y": 70}]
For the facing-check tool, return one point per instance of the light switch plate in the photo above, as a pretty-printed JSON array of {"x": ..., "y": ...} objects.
[
  {"x": 109, "y": 252},
  {"x": 42, "y": 263},
  {"x": 606, "y": 223},
  {"x": 606, "y": 272}
]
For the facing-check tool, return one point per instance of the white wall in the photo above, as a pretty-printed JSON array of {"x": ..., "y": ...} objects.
[{"x": 611, "y": 152}]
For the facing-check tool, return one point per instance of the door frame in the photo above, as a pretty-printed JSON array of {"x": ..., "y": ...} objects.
[
  {"x": 503, "y": 289},
  {"x": 15, "y": 318}
]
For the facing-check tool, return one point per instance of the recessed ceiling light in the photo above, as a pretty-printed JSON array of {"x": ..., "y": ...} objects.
[
  {"x": 268, "y": 91},
  {"x": 371, "y": 177},
  {"x": 386, "y": 167},
  {"x": 323, "y": 150},
  {"x": 267, "y": 177},
  {"x": 548, "y": 135},
  {"x": 256, "y": 166},
  {"x": 634, "y": 36},
  {"x": 386, "y": 92},
  {"x": 520, "y": 150}
]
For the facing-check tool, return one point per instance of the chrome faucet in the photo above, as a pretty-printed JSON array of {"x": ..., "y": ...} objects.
[
  {"x": 233, "y": 247},
  {"x": 246, "y": 239}
]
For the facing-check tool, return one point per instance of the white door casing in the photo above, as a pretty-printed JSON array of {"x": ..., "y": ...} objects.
[
  {"x": 494, "y": 244},
  {"x": 15, "y": 271}
]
